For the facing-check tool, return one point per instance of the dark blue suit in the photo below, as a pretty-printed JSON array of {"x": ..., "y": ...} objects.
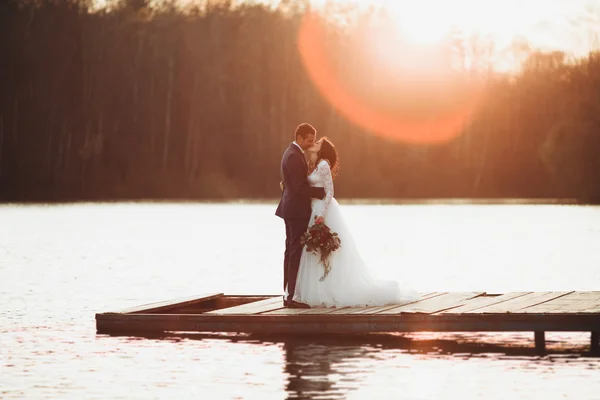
[{"x": 295, "y": 210}]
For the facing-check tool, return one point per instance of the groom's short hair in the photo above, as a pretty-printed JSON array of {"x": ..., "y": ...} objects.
[{"x": 303, "y": 130}]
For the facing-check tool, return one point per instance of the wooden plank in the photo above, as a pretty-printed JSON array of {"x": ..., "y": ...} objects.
[
  {"x": 343, "y": 310},
  {"x": 348, "y": 324},
  {"x": 592, "y": 310},
  {"x": 301, "y": 311},
  {"x": 321, "y": 310},
  {"x": 574, "y": 302},
  {"x": 434, "y": 304},
  {"x": 483, "y": 301},
  {"x": 254, "y": 307},
  {"x": 170, "y": 304},
  {"x": 378, "y": 309},
  {"x": 375, "y": 310},
  {"x": 194, "y": 310},
  {"x": 520, "y": 303},
  {"x": 353, "y": 310},
  {"x": 238, "y": 300},
  {"x": 285, "y": 311}
]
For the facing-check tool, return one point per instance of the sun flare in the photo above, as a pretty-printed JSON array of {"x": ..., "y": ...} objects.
[{"x": 405, "y": 83}]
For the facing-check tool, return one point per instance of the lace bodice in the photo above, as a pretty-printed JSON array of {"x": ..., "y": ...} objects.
[{"x": 321, "y": 177}]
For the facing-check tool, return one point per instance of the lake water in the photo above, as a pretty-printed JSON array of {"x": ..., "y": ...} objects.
[{"x": 61, "y": 264}]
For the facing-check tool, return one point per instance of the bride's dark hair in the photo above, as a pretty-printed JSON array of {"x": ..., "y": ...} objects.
[{"x": 329, "y": 154}]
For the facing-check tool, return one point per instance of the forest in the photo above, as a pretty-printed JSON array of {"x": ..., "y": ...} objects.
[{"x": 136, "y": 103}]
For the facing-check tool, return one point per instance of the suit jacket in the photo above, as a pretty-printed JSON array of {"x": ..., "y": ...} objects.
[{"x": 297, "y": 192}]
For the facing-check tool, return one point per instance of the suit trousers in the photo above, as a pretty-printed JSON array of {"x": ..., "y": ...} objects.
[{"x": 294, "y": 229}]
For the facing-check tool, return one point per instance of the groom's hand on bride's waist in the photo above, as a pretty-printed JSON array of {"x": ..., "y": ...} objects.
[{"x": 281, "y": 185}]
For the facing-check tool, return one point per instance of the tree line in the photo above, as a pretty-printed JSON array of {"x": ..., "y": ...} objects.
[{"x": 135, "y": 103}]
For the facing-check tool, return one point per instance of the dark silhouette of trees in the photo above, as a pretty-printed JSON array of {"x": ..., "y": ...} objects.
[{"x": 143, "y": 104}]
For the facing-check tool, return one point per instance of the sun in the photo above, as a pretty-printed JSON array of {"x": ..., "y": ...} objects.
[
  {"x": 426, "y": 22},
  {"x": 420, "y": 23},
  {"x": 405, "y": 30}
]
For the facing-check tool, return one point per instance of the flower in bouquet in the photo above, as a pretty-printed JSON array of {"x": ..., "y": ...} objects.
[{"x": 319, "y": 239}]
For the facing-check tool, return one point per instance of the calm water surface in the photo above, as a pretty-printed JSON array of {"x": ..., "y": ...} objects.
[{"x": 59, "y": 265}]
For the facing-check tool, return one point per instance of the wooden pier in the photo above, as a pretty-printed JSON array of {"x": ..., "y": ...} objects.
[{"x": 537, "y": 312}]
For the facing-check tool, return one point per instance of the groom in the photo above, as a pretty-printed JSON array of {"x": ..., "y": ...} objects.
[{"x": 295, "y": 207}]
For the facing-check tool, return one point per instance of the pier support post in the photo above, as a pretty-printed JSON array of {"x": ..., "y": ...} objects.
[
  {"x": 595, "y": 343},
  {"x": 540, "y": 342}
]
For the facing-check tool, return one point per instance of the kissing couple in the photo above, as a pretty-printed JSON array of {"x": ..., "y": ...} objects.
[{"x": 307, "y": 197}]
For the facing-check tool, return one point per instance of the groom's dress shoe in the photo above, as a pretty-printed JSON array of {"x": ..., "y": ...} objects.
[{"x": 295, "y": 304}]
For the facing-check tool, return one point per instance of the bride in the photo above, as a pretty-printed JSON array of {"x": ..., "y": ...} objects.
[{"x": 348, "y": 282}]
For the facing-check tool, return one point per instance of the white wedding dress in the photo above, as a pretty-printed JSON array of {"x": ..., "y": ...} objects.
[{"x": 348, "y": 282}]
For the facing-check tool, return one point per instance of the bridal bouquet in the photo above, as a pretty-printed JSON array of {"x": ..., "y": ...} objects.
[{"x": 320, "y": 239}]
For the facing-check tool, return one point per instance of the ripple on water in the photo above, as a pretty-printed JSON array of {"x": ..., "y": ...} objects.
[{"x": 60, "y": 265}]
